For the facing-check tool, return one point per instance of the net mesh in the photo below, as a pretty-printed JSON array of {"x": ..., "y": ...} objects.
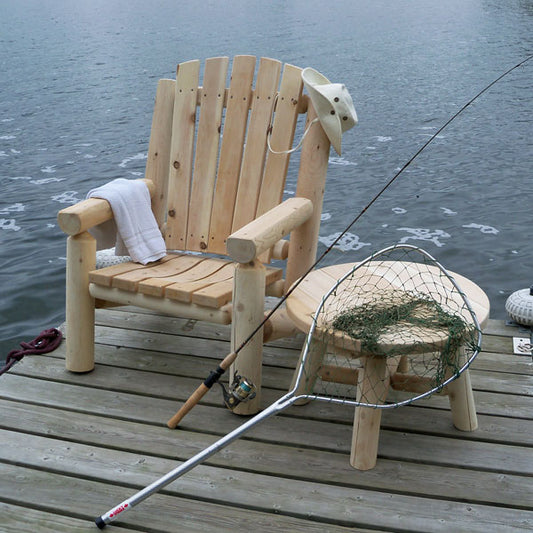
[{"x": 394, "y": 329}]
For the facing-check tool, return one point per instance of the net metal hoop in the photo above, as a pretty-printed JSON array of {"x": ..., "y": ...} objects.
[{"x": 344, "y": 401}]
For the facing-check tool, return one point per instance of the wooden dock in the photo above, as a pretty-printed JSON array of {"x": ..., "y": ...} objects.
[{"x": 73, "y": 446}]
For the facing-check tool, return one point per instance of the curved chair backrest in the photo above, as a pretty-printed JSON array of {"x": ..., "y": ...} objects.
[{"x": 209, "y": 158}]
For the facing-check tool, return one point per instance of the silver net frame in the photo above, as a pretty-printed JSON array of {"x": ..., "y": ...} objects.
[
  {"x": 292, "y": 396},
  {"x": 388, "y": 252}
]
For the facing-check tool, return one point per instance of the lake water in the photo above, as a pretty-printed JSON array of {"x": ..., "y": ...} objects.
[{"x": 78, "y": 78}]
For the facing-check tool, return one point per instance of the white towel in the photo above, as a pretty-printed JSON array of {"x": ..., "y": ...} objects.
[{"x": 133, "y": 231}]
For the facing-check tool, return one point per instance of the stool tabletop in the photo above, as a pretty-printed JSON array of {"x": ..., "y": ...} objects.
[{"x": 304, "y": 301}]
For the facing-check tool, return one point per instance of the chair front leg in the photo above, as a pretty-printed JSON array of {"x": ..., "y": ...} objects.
[
  {"x": 81, "y": 259},
  {"x": 248, "y": 312}
]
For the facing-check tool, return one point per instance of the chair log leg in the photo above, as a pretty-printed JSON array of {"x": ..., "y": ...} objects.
[
  {"x": 372, "y": 387},
  {"x": 462, "y": 404},
  {"x": 248, "y": 312},
  {"x": 81, "y": 258}
]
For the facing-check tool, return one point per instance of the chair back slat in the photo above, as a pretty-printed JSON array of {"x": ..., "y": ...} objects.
[
  {"x": 159, "y": 147},
  {"x": 231, "y": 151},
  {"x": 255, "y": 150},
  {"x": 221, "y": 174},
  {"x": 180, "y": 163},
  {"x": 282, "y": 137},
  {"x": 207, "y": 146}
]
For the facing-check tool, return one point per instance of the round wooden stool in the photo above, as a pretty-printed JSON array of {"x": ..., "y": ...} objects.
[{"x": 301, "y": 306}]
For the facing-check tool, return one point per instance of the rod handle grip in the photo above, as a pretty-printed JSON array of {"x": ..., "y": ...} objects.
[{"x": 193, "y": 399}]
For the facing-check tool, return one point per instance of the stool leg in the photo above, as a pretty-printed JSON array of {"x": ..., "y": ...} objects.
[
  {"x": 403, "y": 365},
  {"x": 462, "y": 404},
  {"x": 372, "y": 387},
  {"x": 309, "y": 374}
]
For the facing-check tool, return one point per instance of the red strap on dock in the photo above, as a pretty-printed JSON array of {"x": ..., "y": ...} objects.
[{"x": 47, "y": 341}]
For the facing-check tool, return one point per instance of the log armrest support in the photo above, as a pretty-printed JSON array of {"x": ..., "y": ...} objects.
[
  {"x": 80, "y": 217},
  {"x": 250, "y": 241}
]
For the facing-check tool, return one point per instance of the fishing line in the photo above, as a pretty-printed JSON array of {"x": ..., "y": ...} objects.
[
  {"x": 230, "y": 358},
  {"x": 376, "y": 197}
]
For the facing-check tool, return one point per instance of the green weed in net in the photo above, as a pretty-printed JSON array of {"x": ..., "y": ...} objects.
[{"x": 370, "y": 321}]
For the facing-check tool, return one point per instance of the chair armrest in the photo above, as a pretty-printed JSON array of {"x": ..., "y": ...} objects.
[
  {"x": 88, "y": 213},
  {"x": 262, "y": 233}
]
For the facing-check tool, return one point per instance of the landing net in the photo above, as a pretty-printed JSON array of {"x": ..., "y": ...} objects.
[{"x": 395, "y": 328}]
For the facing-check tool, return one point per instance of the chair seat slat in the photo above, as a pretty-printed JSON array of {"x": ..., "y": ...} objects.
[
  {"x": 183, "y": 291},
  {"x": 104, "y": 276},
  {"x": 129, "y": 281},
  {"x": 157, "y": 286},
  {"x": 219, "y": 294}
]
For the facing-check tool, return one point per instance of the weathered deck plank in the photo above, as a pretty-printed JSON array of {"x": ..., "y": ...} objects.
[
  {"x": 77, "y": 497},
  {"x": 75, "y": 445},
  {"x": 17, "y": 519},
  {"x": 328, "y": 465}
]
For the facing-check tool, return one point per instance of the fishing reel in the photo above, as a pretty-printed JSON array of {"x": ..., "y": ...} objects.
[{"x": 241, "y": 390}]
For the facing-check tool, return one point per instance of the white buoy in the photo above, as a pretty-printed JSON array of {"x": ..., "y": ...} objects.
[{"x": 519, "y": 305}]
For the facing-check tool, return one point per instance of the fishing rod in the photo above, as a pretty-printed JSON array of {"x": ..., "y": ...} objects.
[{"x": 242, "y": 389}]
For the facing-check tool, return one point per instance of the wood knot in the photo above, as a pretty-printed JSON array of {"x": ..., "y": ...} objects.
[
  {"x": 176, "y": 165},
  {"x": 172, "y": 213},
  {"x": 203, "y": 245}
]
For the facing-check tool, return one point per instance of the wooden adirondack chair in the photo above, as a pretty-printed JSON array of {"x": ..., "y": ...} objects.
[{"x": 215, "y": 189}]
